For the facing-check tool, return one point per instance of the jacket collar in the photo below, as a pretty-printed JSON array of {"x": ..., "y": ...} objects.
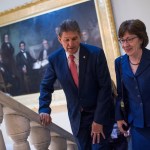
[
  {"x": 83, "y": 57},
  {"x": 145, "y": 62}
]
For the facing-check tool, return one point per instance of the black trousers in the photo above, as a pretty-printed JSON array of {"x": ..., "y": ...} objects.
[
  {"x": 84, "y": 139},
  {"x": 119, "y": 143}
]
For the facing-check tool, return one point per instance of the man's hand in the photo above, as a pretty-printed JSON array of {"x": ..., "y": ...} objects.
[
  {"x": 24, "y": 69},
  {"x": 45, "y": 119},
  {"x": 120, "y": 124},
  {"x": 97, "y": 130}
]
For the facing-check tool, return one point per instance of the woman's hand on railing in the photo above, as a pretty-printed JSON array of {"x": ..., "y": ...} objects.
[{"x": 45, "y": 119}]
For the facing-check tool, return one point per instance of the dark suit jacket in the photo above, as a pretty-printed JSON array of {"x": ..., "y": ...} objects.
[
  {"x": 136, "y": 90},
  {"x": 7, "y": 51},
  {"x": 94, "y": 90},
  {"x": 21, "y": 61}
]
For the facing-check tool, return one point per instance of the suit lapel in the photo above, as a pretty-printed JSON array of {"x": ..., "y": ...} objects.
[
  {"x": 23, "y": 58},
  {"x": 145, "y": 62},
  {"x": 126, "y": 69},
  {"x": 83, "y": 57},
  {"x": 65, "y": 68}
]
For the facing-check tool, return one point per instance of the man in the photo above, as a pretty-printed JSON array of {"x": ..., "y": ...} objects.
[
  {"x": 24, "y": 64},
  {"x": 5, "y": 77},
  {"x": 88, "y": 95},
  {"x": 45, "y": 50},
  {"x": 43, "y": 57},
  {"x": 85, "y": 37},
  {"x": 8, "y": 53}
]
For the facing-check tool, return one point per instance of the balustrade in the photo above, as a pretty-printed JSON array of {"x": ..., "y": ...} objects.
[
  {"x": 2, "y": 144},
  {"x": 24, "y": 127}
]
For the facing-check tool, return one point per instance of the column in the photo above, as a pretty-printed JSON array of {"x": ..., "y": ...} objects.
[
  {"x": 71, "y": 146},
  {"x": 2, "y": 143},
  {"x": 40, "y": 136},
  {"x": 57, "y": 142},
  {"x": 18, "y": 128}
]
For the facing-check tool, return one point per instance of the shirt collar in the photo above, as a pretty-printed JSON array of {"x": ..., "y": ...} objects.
[
  {"x": 23, "y": 51},
  {"x": 76, "y": 55}
]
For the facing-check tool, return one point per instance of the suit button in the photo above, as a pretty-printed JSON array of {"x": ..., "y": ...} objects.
[
  {"x": 138, "y": 96},
  {"x": 141, "y": 104},
  {"x": 136, "y": 87}
]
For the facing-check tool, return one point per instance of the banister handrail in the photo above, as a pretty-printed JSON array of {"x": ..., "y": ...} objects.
[{"x": 8, "y": 101}]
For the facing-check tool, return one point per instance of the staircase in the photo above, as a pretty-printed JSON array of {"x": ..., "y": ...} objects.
[{"x": 23, "y": 126}]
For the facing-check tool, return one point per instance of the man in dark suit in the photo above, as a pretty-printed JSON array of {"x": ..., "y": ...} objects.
[
  {"x": 24, "y": 65},
  {"x": 7, "y": 52},
  {"x": 45, "y": 50},
  {"x": 88, "y": 90}
]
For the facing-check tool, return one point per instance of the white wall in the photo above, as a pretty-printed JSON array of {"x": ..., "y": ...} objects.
[
  {"x": 8, "y": 4},
  {"x": 132, "y": 9}
]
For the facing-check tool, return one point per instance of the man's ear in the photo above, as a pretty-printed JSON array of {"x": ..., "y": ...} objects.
[
  {"x": 80, "y": 36},
  {"x": 59, "y": 39}
]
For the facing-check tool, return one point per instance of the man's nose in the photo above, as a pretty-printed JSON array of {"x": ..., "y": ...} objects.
[{"x": 70, "y": 43}]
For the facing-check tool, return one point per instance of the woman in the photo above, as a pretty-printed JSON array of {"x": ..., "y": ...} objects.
[{"x": 133, "y": 82}]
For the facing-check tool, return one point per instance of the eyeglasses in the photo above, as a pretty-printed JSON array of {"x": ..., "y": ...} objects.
[{"x": 128, "y": 40}]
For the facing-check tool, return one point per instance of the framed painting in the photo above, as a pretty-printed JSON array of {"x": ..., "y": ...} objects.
[{"x": 34, "y": 26}]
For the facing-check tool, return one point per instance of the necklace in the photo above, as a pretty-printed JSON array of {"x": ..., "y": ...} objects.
[{"x": 133, "y": 63}]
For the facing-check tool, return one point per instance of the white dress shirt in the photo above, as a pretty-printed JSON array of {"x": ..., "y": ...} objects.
[
  {"x": 76, "y": 59},
  {"x": 24, "y": 53}
]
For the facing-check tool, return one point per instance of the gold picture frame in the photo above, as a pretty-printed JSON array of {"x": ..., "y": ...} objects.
[{"x": 104, "y": 15}]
